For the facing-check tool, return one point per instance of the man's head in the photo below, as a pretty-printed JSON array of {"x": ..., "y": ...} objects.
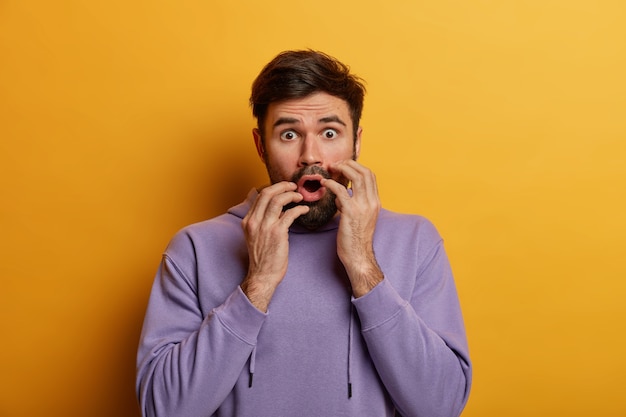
[
  {"x": 308, "y": 108},
  {"x": 297, "y": 74}
]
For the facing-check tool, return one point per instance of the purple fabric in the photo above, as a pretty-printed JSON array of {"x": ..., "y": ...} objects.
[{"x": 402, "y": 346}]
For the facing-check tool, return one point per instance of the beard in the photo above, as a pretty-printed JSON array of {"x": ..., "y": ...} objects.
[{"x": 321, "y": 211}]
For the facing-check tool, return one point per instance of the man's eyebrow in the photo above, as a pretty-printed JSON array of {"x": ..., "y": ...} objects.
[
  {"x": 331, "y": 119},
  {"x": 292, "y": 121},
  {"x": 285, "y": 121}
]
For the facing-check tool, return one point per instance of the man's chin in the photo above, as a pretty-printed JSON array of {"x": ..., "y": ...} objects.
[
  {"x": 311, "y": 223},
  {"x": 320, "y": 212}
]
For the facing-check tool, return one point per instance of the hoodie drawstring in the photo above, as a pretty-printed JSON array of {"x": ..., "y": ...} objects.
[
  {"x": 251, "y": 369},
  {"x": 350, "y": 350}
]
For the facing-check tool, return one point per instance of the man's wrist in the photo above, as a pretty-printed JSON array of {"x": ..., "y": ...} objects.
[
  {"x": 365, "y": 277},
  {"x": 259, "y": 295}
]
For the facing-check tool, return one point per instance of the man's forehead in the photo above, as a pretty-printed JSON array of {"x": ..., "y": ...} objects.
[{"x": 318, "y": 107}]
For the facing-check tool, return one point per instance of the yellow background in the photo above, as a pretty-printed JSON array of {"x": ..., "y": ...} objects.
[{"x": 502, "y": 121}]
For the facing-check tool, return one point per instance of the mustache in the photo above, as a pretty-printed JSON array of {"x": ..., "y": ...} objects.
[{"x": 311, "y": 170}]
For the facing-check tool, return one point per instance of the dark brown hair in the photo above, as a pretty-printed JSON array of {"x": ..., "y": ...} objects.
[{"x": 297, "y": 74}]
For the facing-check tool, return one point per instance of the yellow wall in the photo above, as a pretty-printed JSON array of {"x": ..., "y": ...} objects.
[{"x": 502, "y": 121}]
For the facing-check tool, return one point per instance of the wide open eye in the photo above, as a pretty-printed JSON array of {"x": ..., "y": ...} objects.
[
  {"x": 330, "y": 134},
  {"x": 288, "y": 135}
]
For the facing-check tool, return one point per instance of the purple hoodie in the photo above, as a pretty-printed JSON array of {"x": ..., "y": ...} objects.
[{"x": 205, "y": 350}]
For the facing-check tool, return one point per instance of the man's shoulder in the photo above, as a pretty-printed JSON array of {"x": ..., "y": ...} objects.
[
  {"x": 219, "y": 230},
  {"x": 396, "y": 223},
  {"x": 223, "y": 220},
  {"x": 403, "y": 219},
  {"x": 220, "y": 226}
]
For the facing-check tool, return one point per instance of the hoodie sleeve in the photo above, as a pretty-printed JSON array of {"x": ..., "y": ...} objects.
[
  {"x": 417, "y": 341},
  {"x": 187, "y": 364}
]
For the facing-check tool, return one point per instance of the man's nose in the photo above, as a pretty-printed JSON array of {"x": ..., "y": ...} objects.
[{"x": 310, "y": 153}]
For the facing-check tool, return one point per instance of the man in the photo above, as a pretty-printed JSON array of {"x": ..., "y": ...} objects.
[{"x": 307, "y": 299}]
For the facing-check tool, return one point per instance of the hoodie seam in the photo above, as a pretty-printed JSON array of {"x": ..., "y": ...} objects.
[
  {"x": 401, "y": 307},
  {"x": 167, "y": 258},
  {"x": 233, "y": 332},
  {"x": 430, "y": 255}
]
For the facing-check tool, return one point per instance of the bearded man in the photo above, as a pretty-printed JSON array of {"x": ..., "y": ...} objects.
[{"x": 307, "y": 299}]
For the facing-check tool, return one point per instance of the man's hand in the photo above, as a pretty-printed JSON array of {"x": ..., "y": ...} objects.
[
  {"x": 359, "y": 213},
  {"x": 266, "y": 227}
]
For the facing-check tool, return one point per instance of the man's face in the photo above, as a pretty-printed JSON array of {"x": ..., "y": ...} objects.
[{"x": 302, "y": 138}]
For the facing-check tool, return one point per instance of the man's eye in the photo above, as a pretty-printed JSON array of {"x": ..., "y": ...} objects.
[
  {"x": 330, "y": 133},
  {"x": 288, "y": 135}
]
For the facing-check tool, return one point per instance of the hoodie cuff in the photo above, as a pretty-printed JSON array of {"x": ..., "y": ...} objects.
[
  {"x": 241, "y": 317},
  {"x": 379, "y": 305}
]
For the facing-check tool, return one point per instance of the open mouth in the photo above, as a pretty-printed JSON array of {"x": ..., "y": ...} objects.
[{"x": 312, "y": 185}]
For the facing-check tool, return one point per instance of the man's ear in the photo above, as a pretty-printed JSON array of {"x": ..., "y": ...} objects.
[
  {"x": 258, "y": 142},
  {"x": 357, "y": 143}
]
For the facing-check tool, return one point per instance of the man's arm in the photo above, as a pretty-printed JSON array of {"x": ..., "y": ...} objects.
[
  {"x": 266, "y": 227},
  {"x": 187, "y": 364},
  {"x": 418, "y": 345},
  {"x": 359, "y": 213},
  {"x": 417, "y": 341}
]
